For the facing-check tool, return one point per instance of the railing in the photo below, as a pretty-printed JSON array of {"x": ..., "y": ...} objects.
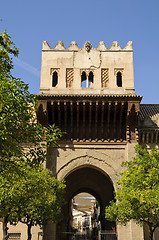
[
  {"x": 72, "y": 236},
  {"x": 107, "y": 235}
]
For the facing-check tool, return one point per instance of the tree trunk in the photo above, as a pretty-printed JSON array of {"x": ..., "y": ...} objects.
[
  {"x": 151, "y": 233},
  {"x": 29, "y": 231},
  {"x": 5, "y": 228}
]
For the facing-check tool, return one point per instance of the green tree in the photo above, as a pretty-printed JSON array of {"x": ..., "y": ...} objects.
[
  {"x": 43, "y": 200},
  {"x": 15, "y": 103},
  {"x": 8, "y": 196},
  {"x": 137, "y": 197},
  {"x": 30, "y": 195},
  {"x": 22, "y": 140},
  {"x": 17, "y": 110}
]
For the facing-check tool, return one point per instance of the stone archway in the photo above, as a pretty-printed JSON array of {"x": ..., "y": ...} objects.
[{"x": 91, "y": 180}]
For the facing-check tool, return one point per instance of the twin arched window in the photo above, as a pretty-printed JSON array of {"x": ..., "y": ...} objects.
[{"x": 87, "y": 80}]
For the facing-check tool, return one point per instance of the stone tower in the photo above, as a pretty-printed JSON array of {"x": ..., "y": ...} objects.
[
  {"x": 89, "y": 93},
  {"x": 89, "y": 89}
]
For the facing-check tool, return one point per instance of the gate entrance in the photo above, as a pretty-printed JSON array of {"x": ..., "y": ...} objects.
[
  {"x": 100, "y": 120},
  {"x": 90, "y": 182},
  {"x": 85, "y": 215}
]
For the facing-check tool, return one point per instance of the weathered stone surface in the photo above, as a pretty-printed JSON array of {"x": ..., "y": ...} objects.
[
  {"x": 88, "y": 59},
  {"x": 106, "y": 107}
]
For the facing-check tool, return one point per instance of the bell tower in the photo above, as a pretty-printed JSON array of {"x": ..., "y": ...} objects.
[
  {"x": 89, "y": 92},
  {"x": 74, "y": 70}
]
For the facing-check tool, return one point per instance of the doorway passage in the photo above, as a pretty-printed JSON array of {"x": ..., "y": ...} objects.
[
  {"x": 85, "y": 216},
  {"x": 88, "y": 192}
]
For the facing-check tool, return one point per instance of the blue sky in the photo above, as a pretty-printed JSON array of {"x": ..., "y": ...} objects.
[{"x": 31, "y": 22}]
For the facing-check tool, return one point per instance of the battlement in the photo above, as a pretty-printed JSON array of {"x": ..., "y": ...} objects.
[
  {"x": 101, "y": 46},
  {"x": 87, "y": 70}
]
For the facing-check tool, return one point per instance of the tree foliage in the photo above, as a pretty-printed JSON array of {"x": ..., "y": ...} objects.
[
  {"x": 137, "y": 196},
  {"x": 17, "y": 109},
  {"x": 6, "y": 47},
  {"x": 15, "y": 100},
  {"x": 30, "y": 195},
  {"x": 28, "y": 192}
]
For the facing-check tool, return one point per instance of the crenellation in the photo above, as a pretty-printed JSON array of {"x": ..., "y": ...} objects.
[
  {"x": 128, "y": 46},
  {"x": 73, "y": 46},
  {"x": 115, "y": 46},
  {"x": 59, "y": 46},
  {"x": 46, "y": 46},
  {"x": 88, "y": 59},
  {"x": 101, "y": 46},
  {"x": 87, "y": 47}
]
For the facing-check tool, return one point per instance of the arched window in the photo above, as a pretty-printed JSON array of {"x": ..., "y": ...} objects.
[
  {"x": 87, "y": 80},
  {"x": 54, "y": 79},
  {"x": 83, "y": 80},
  {"x": 119, "y": 79},
  {"x": 90, "y": 78}
]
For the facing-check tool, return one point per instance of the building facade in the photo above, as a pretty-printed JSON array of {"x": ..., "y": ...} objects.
[{"x": 89, "y": 93}]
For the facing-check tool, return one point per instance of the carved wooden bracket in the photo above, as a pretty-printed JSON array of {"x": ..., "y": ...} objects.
[{"x": 136, "y": 106}]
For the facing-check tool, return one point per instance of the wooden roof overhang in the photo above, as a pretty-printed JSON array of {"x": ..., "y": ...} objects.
[
  {"x": 106, "y": 118},
  {"x": 117, "y": 97}
]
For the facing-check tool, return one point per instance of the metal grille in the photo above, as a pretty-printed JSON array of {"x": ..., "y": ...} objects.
[{"x": 108, "y": 235}]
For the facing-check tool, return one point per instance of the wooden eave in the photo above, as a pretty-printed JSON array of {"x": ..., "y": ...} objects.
[{"x": 91, "y": 97}]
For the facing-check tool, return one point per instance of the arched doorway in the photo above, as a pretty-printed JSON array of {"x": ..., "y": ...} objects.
[
  {"x": 90, "y": 180},
  {"x": 85, "y": 216}
]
